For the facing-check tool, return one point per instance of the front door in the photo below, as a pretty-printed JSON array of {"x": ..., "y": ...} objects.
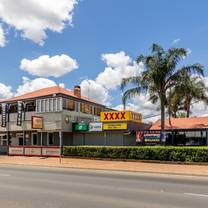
[{"x": 34, "y": 139}]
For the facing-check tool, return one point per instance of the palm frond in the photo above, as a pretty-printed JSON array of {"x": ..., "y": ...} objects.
[
  {"x": 131, "y": 93},
  {"x": 174, "y": 55},
  {"x": 130, "y": 80},
  {"x": 140, "y": 59},
  {"x": 183, "y": 73},
  {"x": 157, "y": 48}
]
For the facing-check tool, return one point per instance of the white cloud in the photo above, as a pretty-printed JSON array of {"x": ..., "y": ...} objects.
[
  {"x": 118, "y": 66},
  {"x": 33, "y": 17},
  {"x": 94, "y": 91},
  {"x": 176, "y": 41},
  {"x": 5, "y": 91},
  {"x": 32, "y": 85},
  {"x": 46, "y": 66},
  {"x": 142, "y": 105},
  {"x": 114, "y": 60},
  {"x": 2, "y": 37}
]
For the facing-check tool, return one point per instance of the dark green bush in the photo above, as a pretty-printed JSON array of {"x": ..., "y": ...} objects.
[{"x": 162, "y": 153}]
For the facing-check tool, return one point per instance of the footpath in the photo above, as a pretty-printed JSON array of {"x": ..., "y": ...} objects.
[{"x": 184, "y": 169}]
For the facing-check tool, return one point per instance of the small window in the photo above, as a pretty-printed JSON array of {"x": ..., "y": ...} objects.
[
  {"x": 34, "y": 139},
  {"x": 38, "y": 107},
  {"x": 97, "y": 111},
  {"x": 20, "y": 141},
  {"x": 76, "y": 106},
  {"x": 51, "y": 105},
  {"x": 54, "y": 104},
  {"x": 50, "y": 139},
  {"x": 42, "y": 106},
  {"x": 47, "y": 105},
  {"x": 71, "y": 105},
  {"x": 91, "y": 110},
  {"x": 59, "y": 104}
]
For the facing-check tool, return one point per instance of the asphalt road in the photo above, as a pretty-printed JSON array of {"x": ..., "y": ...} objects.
[{"x": 38, "y": 187}]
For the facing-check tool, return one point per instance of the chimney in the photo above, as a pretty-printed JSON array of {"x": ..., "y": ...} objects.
[{"x": 77, "y": 91}]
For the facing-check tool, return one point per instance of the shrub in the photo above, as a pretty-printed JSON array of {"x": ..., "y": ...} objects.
[{"x": 161, "y": 153}]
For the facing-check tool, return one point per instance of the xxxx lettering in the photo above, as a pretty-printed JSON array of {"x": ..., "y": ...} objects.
[{"x": 115, "y": 116}]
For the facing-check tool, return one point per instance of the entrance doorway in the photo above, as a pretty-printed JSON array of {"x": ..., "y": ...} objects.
[
  {"x": 34, "y": 139},
  {"x": 3, "y": 140}
]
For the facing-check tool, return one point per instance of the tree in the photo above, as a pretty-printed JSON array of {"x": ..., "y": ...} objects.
[
  {"x": 186, "y": 91},
  {"x": 160, "y": 74},
  {"x": 174, "y": 103}
]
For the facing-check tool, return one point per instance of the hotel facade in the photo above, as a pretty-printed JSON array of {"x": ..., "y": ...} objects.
[{"x": 55, "y": 116}]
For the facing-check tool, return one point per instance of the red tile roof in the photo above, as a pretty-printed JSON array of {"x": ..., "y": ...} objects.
[
  {"x": 46, "y": 92},
  {"x": 183, "y": 123}
]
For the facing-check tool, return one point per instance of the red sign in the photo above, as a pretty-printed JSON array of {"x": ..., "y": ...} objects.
[
  {"x": 139, "y": 136},
  {"x": 114, "y": 116}
]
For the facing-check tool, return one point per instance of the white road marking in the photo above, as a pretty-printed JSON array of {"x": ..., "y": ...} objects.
[{"x": 194, "y": 194}]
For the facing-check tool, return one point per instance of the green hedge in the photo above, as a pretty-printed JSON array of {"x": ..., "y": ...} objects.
[{"x": 161, "y": 153}]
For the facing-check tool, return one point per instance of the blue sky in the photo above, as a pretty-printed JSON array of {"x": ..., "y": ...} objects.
[{"x": 107, "y": 27}]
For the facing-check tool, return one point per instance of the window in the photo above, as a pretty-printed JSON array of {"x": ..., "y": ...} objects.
[
  {"x": 34, "y": 139},
  {"x": 59, "y": 105},
  {"x": 85, "y": 108},
  {"x": 38, "y": 106},
  {"x": 76, "y": 106},
  {"x": 97, "y": 111},
  {"x": 68, "y": 104},
  {"x": 42, "y": 106},
  {"x": 50, "y": 139},
  {"x": 91, "y": 110},
  {"x": 82, "y": 107},
  {"x": 20, "y": 141},
  {"x": 30, "y": 106},
  {"x": 54, "y": 104},
  {"x": 49, "y": 105},
  {"x": 71, "y": 105},
  {"x": 3, "y": 140}
]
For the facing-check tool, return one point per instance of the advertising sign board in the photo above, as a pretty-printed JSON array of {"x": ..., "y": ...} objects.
[
  {"x": 115, "y": 116},
  {"x": 80, "y": 127},
  {"x": 37, "y": 122},
  {"x": 19, "y": 113},
  {"x": 114, "y": 126},
  {"x": 96, "y": 126},
  {"x": 149, "y": 137},
  {"x": 16, "y": 150},
  {"x": 3, "y": 114}
]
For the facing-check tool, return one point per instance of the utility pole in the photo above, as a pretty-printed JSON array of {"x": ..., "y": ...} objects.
[{"x": 60, "y": 146}]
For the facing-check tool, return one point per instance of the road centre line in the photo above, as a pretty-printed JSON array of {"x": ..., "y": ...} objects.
[{"x": 195, "y": 194}]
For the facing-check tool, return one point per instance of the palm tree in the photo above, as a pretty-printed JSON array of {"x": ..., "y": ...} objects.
[
  {"x": 191, "y": 89},
  {"x": 160, "y": 74},
  {"x": 174, "y": 102}
]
